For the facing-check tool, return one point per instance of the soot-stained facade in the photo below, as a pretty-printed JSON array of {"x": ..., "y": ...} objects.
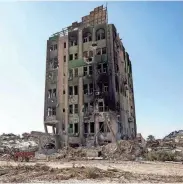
[{"x": 89, "y": 96}]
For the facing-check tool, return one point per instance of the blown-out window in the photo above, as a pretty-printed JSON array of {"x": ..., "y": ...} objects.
[
  {"x": 100, "y": 34},
  {"x": 87, "y": 37}
]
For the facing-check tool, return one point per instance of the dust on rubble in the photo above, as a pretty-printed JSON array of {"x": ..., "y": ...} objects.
[
  {"x": 126, "y": 150},
  {"x": 42, "y": 172}
]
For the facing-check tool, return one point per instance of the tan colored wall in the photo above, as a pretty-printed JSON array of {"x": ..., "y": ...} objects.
[{"x": 62, "y": 83}]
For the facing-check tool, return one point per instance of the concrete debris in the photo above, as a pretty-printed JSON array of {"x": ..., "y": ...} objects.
[
  {"x": 71, "y": 153},
  {"x": 129, "y": 150},
  {"x": 138, "y": 149},
  {"x": 27, "y": 142},
  {"x": 168, "y": 149}
]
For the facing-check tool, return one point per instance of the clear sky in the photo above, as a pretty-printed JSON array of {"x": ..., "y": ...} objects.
[{"x": 152, "y": 33}]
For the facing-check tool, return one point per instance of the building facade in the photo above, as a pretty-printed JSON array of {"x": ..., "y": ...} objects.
[{"x": 89, "y": 96}]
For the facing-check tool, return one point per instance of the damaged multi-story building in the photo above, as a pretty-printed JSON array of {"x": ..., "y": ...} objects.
[{"x": 89, "y": 96}]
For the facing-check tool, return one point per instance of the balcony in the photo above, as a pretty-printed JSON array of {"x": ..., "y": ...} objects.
[{"x": 51, "y": 120}]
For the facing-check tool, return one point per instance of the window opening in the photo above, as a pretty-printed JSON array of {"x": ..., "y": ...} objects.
[
  {"x": 71, "y": 57},
  {"x": 75, "y": 108},
  {"x": 101, "y": 106},
  {"x": 75, "y": 90},
  {"x": 85, "y": 71},
  {"x": 76, "y": 72},
  {"x": 92, "y": 127},
  {"x": 70, "y": 90},
  {"x": 70, "y": 109},
  {"x": 85, "y": 89}
]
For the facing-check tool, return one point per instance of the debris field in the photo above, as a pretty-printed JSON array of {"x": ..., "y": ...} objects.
[{"x": 44, "y": 173}]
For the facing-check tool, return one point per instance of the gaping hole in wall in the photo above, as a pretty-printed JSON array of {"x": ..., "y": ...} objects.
[
  {"x": 88, "y": 109},
  {"x": 64, "y": 45},
  {"x": 73, "y": 42},
  {"x": 100, "y": 34},
  {"x": 73, "y": 38}
]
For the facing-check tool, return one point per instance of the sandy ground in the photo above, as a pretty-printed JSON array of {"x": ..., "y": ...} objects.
[{"x": 93, "y": 171}]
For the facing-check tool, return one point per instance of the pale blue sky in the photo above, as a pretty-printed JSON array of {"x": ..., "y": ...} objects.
[{"x": 151, "y": 33}]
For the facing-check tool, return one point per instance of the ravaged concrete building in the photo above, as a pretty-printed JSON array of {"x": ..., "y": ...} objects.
[{"x": 89, "y": 97}]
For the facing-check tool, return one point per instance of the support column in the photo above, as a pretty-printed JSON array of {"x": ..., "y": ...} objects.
[
  {"x": 53, "y": 129},
  {"x": 81, "y": 123},
  {"x": 66, "y": 71},
  {"x": 80, "y": 43},
  {"x": 93, "y": 35},
  {"x": 45, "y": 127},
  {"x": 96, "y": 124}
]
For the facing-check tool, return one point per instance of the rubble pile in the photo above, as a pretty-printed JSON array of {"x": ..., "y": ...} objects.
[
  {"x": 9, "y": 142},
  {"x": 71, "y": 153},
  {"x": 170, "y": 148},
  {"x": 126, "y": 150}
]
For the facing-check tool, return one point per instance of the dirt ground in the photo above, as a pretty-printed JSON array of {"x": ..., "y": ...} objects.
[{"x": 93, "y": 171}]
